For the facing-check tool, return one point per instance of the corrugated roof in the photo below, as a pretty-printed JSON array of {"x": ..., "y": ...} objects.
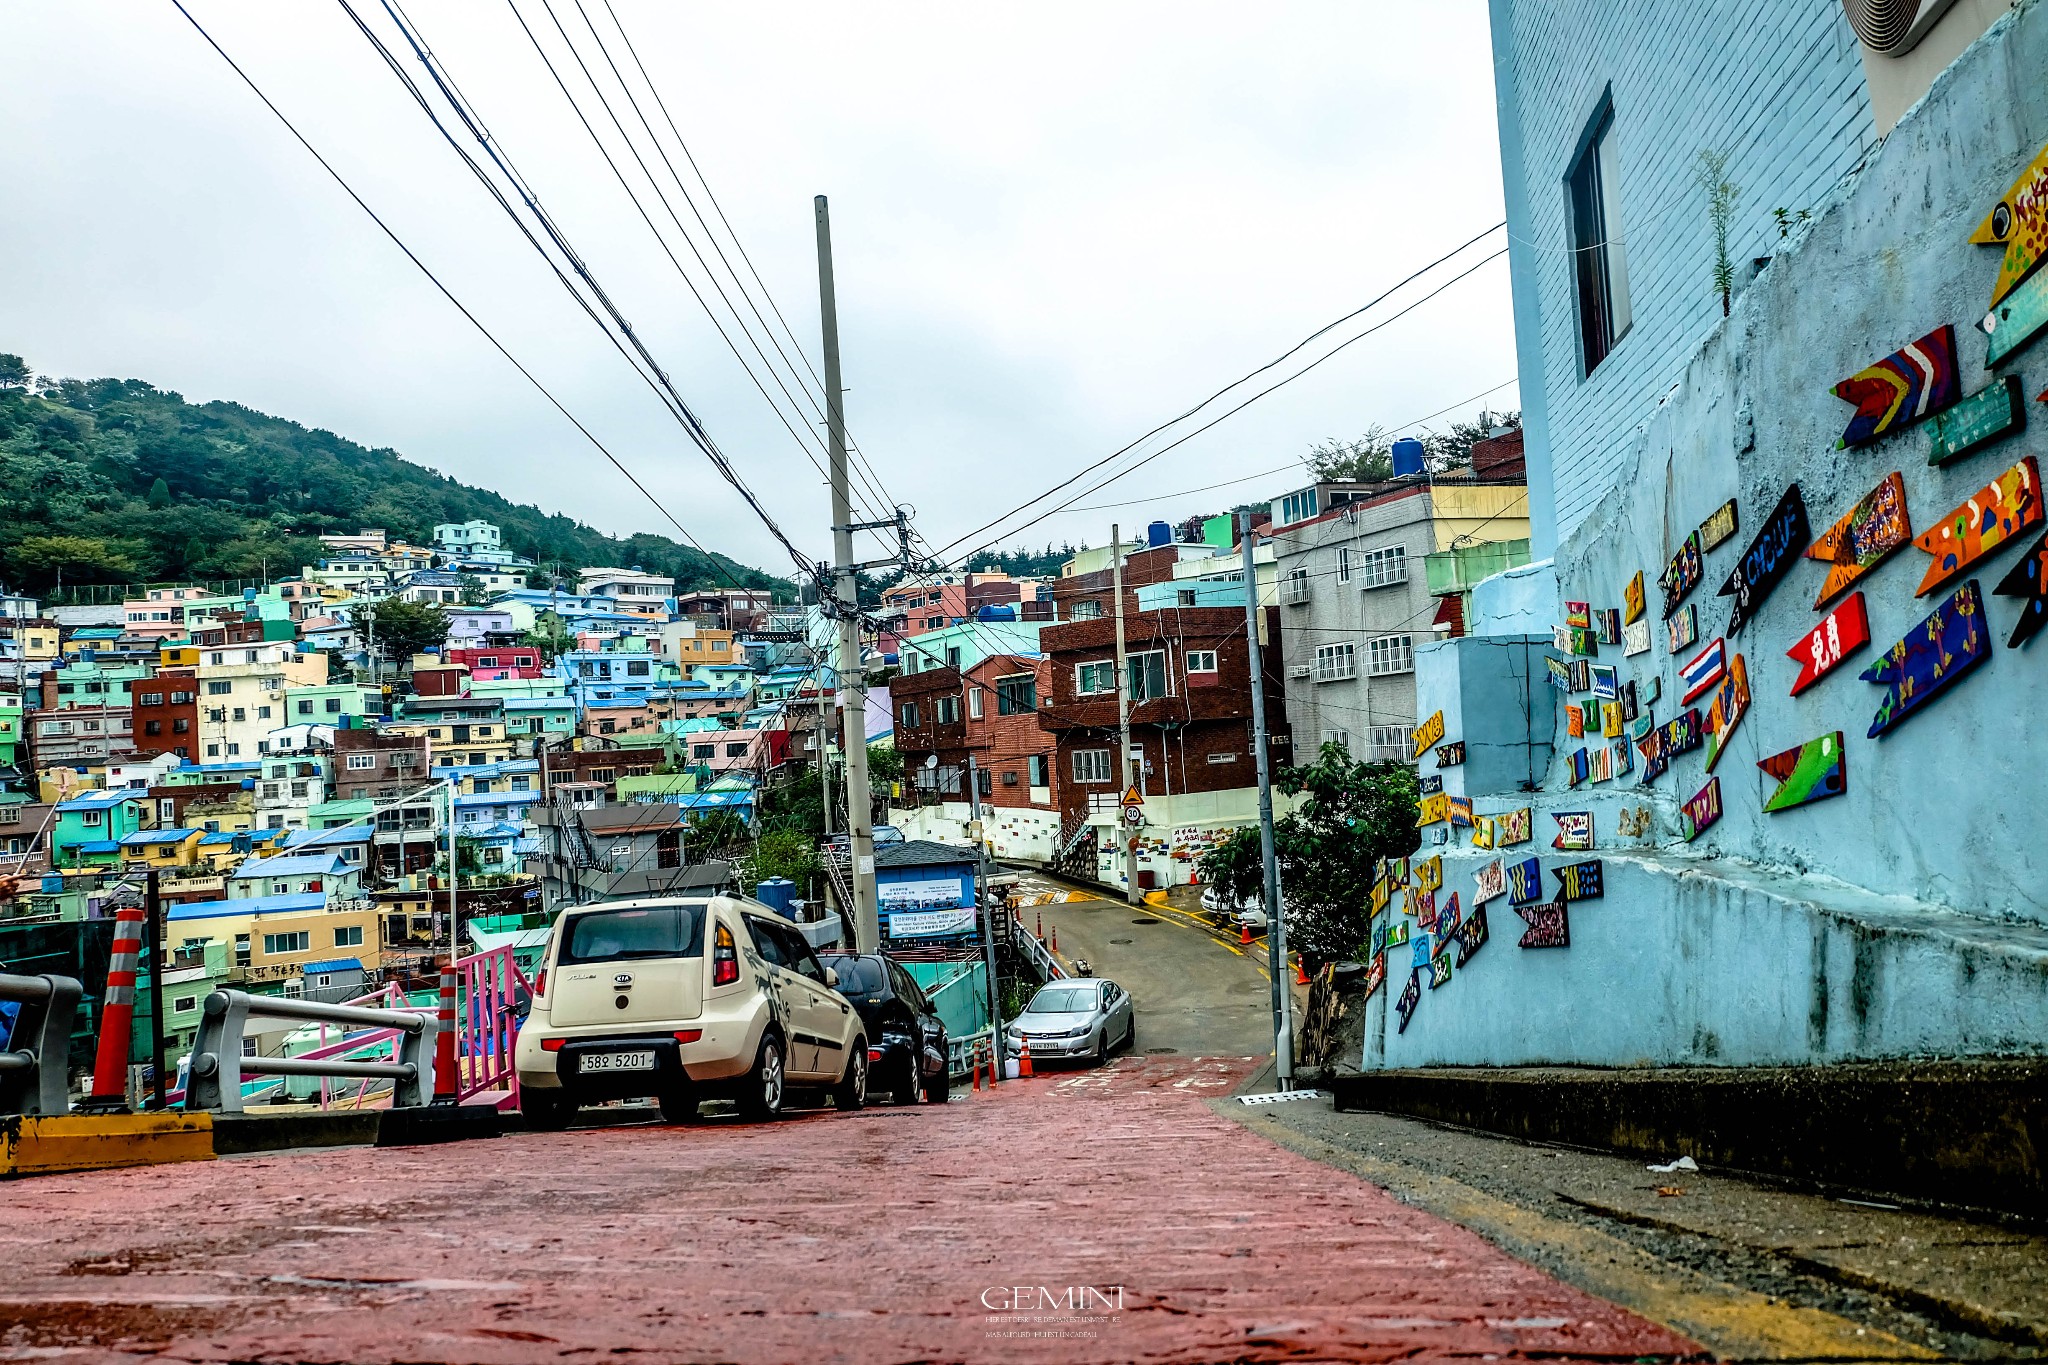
[
  {"x": 290, "y": 903},
  {"x": 921, "y": 853},
  {"x": 292, "y": 865},
  {"x": 336, "y": 964}
]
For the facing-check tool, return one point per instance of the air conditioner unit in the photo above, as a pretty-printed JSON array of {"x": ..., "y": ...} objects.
[
  {"x": 1892, "y": 28},
  {"x": 1300, "y": 671}
]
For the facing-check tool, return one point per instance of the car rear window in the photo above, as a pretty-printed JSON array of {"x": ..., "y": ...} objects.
[
  {"x": 858, "y": 976},
  {"x": 622, "y": 935}
]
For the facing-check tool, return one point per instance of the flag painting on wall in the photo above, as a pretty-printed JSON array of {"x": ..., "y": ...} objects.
[
  {"x": 1574, "y": 831},
  {"x": 1549, "y": 925},
  {"x": 1684, "y": 628},
  {"x": 1873, "y": 528},
  {"x": 1701, "y": 811},
  {"x": 1915, "y": 381},
  {"x": 2007, "y": 507}
]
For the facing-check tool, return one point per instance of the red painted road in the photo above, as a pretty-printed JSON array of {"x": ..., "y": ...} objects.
[{"x": 826, "y": 1237}]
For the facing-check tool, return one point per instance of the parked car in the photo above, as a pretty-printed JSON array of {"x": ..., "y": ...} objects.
[
  {"x": 685, "y": 1000},
  {"x": 1250, "y": 913},
  {"x": 1071, "y": 1018},
  {"x": 906, "y": 1037}
]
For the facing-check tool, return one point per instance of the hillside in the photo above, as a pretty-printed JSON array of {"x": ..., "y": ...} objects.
[{"x": 114, "y": 481}]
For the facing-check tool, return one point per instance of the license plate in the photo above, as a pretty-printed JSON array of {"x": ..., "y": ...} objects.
[{"x": 617, "y": 1061}]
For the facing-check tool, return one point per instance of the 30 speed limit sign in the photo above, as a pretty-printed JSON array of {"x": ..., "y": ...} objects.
[{"x": 1134, "y": 816}]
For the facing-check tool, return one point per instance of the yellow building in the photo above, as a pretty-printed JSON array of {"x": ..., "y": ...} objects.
[
  {"x": 34, "y": 640},
  {"x": 162, "y": 848},
  {"x": 270, "y": 938},
  {"x": 462, "y": 743}
]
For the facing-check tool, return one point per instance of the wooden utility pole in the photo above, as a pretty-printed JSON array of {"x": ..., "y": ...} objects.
[{"x": 1126, "y": 835}]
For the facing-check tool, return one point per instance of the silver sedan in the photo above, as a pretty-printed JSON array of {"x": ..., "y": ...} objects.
[{"x": 1075, "y": 1018}]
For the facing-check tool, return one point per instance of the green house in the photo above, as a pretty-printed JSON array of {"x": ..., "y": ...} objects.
[{"x": 89, "y": 828}]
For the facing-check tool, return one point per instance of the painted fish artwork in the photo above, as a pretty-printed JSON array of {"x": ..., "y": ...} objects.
[
  {"x": 1630, "y": 706},
  {"x": 2016, "y": 320},
  {"x": 1606, "y": 682},
  {"x": 1450, "y": 755},
  {"x": 1655, "y": 761},
  {"x": 1578, "y": 615},
  {"x": 1988, "y": 415},
  {"x": 1600, "y": 764},
  {"x": 1610, "y": 720},
  {"x": 1684, "y": 628},
  {"x": 1489, "y": 881},
  {"x": 1596, "y": 712},
  {"x": 1429, "y": 873},
  {"x": 2019, "y": 223},
  {"x": 1397, "y": 872},
  {"x": 1431, "y": 785},
  {"x": 1433, "y": 810},
  {"x": 1422, "y": 905},
  {"x": 1632, "y": 603},
  {"x": 1653, "y": 689},
  {"x": 1807, "y": 772},
  {"x": 1719, "y": 527},
  {"x": 1821, "y": 650},
  {"x": 1461, "y": 812},
  {"x": 1397, "y": 933},
  {"x": 1915, "y": 381},
  {"x": 1411, "y": 996},
  {"x": 1448, "y": 917},
  {"x": 1485, "y": 831},
  {"x": 1624, "y": 757},
  {"x": 1582, "y": 676},
  {"x": 1702, "y": 810},
  {"x": 1516, "y": 826},
  {"x": 1866, "y": 533},
  {"x": 1584, "y": 642},
  {"x": 1933, "y": 657},
  {"x": 1702, "y": 672},
  {"x": 1471, "y": 935},
  {"x": 1428, "y": 733},
  {"x": 1560, "y": 673},
  {"x": 1549, "y": 925},
  {"x": 1635, "y": 639},
  {"x": 1784, "y": 536},
  {"x": 2028, "y": 581},
  {"x": 1581, "y": 768},
  {"x": 1682, "y": 574},
  {"x": 1380, "y": 893},
  {"x": 1574, "y": 831},
  {"x": 1525, "y": 880},
  {"x": 1607, "y": 625},
  {"x": 1375, "y": 974},
  {"x": 2007, "y": 507},
  {"x": 1422, "y": 949},
  {"x": 1574, "y": 720},
  {"x": 1683, "y": 733},
  {"x": 1579, "y": 881},
  {"x": 1440, "y": 970},
  {"x": 1730, "y": 705}
]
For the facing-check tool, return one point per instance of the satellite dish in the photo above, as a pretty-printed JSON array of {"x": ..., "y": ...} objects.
[{"x": 931, "y": 760}]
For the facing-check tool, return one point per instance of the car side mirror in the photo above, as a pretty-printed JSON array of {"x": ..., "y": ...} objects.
[{"x": 832, "y": 977}]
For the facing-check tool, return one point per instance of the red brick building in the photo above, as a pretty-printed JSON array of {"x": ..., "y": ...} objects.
[
  {"x": 166, "y": 711},
  {"x": 992, "y": 714},
  {"x": 370, "y": 763}
]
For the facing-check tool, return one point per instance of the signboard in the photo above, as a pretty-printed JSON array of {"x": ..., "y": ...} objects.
[
  {"x": 931, "y": 923},
  {"x": 1428, "y": 733},
  {"x": 920, "y": 895},
  {"x": 1133, "y": 815},
  {"x": 1782, "y": 540},
  {"x": 1134, "y": 797}
]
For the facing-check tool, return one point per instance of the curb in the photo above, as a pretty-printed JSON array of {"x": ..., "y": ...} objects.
[{"x": 97, "y": 1142}]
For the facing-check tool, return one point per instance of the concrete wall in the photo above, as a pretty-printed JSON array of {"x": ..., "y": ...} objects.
[{"x": 1908, "y": 916}]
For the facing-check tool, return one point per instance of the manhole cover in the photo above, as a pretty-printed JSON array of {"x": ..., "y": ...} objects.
[
  {"x": 1157, "y": 1051},
  {"x": 1120, "y": 940},
  {"x": 1144, "y": 921}
]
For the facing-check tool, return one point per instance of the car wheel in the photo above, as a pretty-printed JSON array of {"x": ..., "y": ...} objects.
[
  {"x": 546, "y": 1113},
  {"x": 904, "y": 1091},
  {"x": 852, "y": 1090},
  {"x": 764, "y": 1090},
  {"x": 678, "y": 1104},
  {"x": 1131, "y": 1034},
  {"x": 939, "y": 1087}
]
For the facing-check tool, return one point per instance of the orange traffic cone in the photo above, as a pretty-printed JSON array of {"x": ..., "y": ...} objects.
[
  {"x": 1300, "y": 973},
  {"x": 1024, "y": 1060},
  {"x": 1244, "y": 933}
]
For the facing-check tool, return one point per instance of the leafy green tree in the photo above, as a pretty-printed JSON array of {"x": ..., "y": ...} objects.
[
  {"x": 159, "y": 495},
  {"x": 401, "y": 628},
  {"x": 87, "y": 557},
  {"x": 14, "y": 372},
  {"x": 713, "y": 833},
  {"x": 1370, "y": 457},
  {"x": 1353, "y": 814},
  {"x": 885, "y": 764},
  {"x": 784, "y": 853}
]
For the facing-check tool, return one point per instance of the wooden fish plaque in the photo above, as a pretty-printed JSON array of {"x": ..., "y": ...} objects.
[
  {"x": 1428, "y": 733},
  {"x": 1471, "y": 935},
  {"x": 1485, "y": 831},
  {"x": 1574, "y": 720},
  {"x": 1730, "y": 705},
  {"x": 1422, "y": 905},
  {"x": 1933, "y": 657},
  {"x": 1581, "y": 769},
  {"x": 1460, "y": 812},
  {"x": 1635, "y": 639},
  {"x": 1397, "y": 933},
  {"x": 1431, "y": 784},
  {"x": 1574, "y": 831},
  {"x": 1684, "y": 628},
  {"x": 1718, "y": 528},
  {"x": 1560, "y": 673},
  {"x": 1915, "y": 381},
  {"x": 1525, "y": 881},
  {"x": 1702, "y": 810},
  {"x": 2007, "y": 507},
  {"x": 1579, "y": 881},
  {"x": 1515, "y": 826},
  {"x": 1450, "y": 755},
  {"x": 2019, "y": 223},
  {"x": 1411, "y": 996},
  {"x": 1448, "y": 917},
  {"x": 1769, "y": 557},
  {"x": 1578, "y": 615},
  {"x": 1610, "y": 720},
  {"x": 1867, "y": 532},
  {"x": 2014, "y": 321},
  {"x": 1632, "y": 603},
  {"x": 1440, "y": 970},
  {"x": 1840, "y": 634},
  {"x": 1433, "y": 810},
  {"x": 1429, "y": 873},
  {"x": 1807, "y": 772},
  {"x": 1607, "y": 625},
  {"x": 1682, "y": 574},
  {"x": 1606, "y": 681},
  {"x": 1375, "y": 974},
  {"x": 1489, "y": 881},
  {"x": 1549, "y": 925},
  {"x": 1977, "y": 421},
  {"x": 2028, "y": 581}
]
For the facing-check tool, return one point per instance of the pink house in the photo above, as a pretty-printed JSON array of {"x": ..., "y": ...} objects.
[
  {"x": 738, "y": 750},
  {"x": 157, "y": 615},
  {"x": 487, "y": 663}
]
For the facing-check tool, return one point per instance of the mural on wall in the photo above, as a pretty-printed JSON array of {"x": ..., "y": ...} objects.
[
  {"x": 1450, "y": 755},
  {"x": 1375, "y": 974},
  {"x": 1841, "y": 633},
  {"x": 1525, "y": 881},
  {"x": 1623, "y": 760},
  {"x": 1682, "y": 574},
  {"x": 1411, "y": 996},
  {"x": 1630, "y": 707},
  {"x": 1432, "y": 810},
  {"x": 1635, "y": 639},
  {"x": 2018, "y": 318},
  {"x": 1430, "y": 784},
  {"x": 1397, "y": 932},
  {"x": 1768, "y": 559},
  {"x": 1489, "y": 881},
  {"x": 1461, "y": 812},
  {"x": 1582, "y": 676},
  {"x": 1701, "y": 811},
  {"x": 1447, "y": 919},
  {"x": 1428, "y": 733},
  {"x": 1632, "y": 603},
  {"x": 1600, "y": 764},
  {"x": 1422, "y": 905},
  {"x": 1606, "y": 681},
  {"x": 1977, "y": 421},
  {"x": 1484, "y": 831},
  {"x": 1912, "y": 382},
  {"x": 2019, "y": 223},
  {"x": 1933, "y": 657},
  {"x": 1440, "y": 970},
  {"x": 1867, "y": 532},
  {"x": 1574, "y": 720},
  {"x": 1702, "y": 672},
  {"x": 1574, "y": 831},
  {"x": 1421, "y": 950},
  {"x": 1471, "y": 935},
  {"x": 1515, "y": 826},
  {"x": 2029, "y": 582},
  {"x": 1730, "y": 705},
  {"x": 2008, "y": 506},
  {"x": 1684, "y": 628},
  {"x": 1610, "y": 720},
  {"x": 1719, "y": 527},
  {"x": 1580, "y": 769},
  {"x": 1549, "y": 925},
  {"x": 1807, "y": 772},
  {"x": 1578, "y": 881},
  {"x": 1560, "y": 673}
]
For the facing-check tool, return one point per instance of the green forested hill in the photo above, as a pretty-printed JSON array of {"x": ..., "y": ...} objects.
[{"x": 113, "y": 481}]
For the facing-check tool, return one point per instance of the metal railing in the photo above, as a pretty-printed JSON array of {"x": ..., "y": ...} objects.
[
  {"x": 34, "y": 1073},
  {"x": 494, "y": 994},
  {"x": 218, "y": 1065},
  {"x": 1035, "y": 952}
]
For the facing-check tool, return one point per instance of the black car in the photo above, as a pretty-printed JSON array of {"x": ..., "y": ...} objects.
[{"x": 907, "y": 1047}]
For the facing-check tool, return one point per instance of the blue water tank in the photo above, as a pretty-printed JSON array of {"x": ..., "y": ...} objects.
[
  {"x": 1407, "y": 456},
  {"x": 1157, "y": 534},
  {"x": 996, "y": 611},
  {"x": 776, "y": 892}
]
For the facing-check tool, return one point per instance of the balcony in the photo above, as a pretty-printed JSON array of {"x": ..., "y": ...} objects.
[
  {"x": 1456, "y": 571},
  {"x": 1294, "y": 590}
]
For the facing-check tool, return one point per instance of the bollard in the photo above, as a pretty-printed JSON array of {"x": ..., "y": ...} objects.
[
  {"x": 117, "y": 1013},
  {"x": 1041, "y": 926},
  {"x": 1055, "y": 938},
  {"x": 444, "y": 1044}
]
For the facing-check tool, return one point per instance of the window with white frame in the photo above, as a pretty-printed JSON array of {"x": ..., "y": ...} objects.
[
  {"x": 974, "y": 703},
  {"x": 1294, "y": 589},
  {"x": 1091, "y": 765},
  {"x": 1340, "y": 738},
  {"x": 947, "y": 710},
  {"x": 1345, "y": 561},
  {"x": 359, "y": 762},
  {"x": 1383, "y": 567},
  {"x": 1148, "y": 675},
  {"x": 1201, "y": 661},
  {"x": 1392, "y": 739},
  {"x": 1089, "y": 609},
  {"x": 1096, "y": 678},
  {"x": 1334, "y": 662},
  {"x": 1391, "y": 654},
  {"x": 274, "y": 944}
]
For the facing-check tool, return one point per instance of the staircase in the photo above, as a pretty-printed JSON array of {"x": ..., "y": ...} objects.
[{"x": 1075, "y": 856}]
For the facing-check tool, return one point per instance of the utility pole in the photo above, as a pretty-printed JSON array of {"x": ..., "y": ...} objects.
[
  {"x": 851, "y": 688},
  {"x": 153, "y": 911},
  {"x": 1276, "y": 920},
  {"x": 988, "y": 922},
  {"x": 818, "y": 737},
  {"x": 1125, "y": 835}
]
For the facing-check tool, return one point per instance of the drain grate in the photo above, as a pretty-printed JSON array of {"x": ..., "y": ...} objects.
[
  {"x": 1160, "y": 1051},
  {"x": 1144, "y": 921},
  {"x": 1121, "y": 940}
]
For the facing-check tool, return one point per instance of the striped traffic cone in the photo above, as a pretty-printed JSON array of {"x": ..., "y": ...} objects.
[
  {"x": 117, "y": 1013},
  {"x": 1024, "y": 1060},
  {"x": 445, "y": 1086},
  {"x": 1300, "y": 973},
  {"x": 1244, "y": 933}
]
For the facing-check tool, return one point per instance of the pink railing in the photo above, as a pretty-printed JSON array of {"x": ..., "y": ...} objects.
[{"x": 489, "y": 990}]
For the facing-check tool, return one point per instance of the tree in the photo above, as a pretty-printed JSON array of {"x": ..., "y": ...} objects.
[
  {"x": 1370, "y": 458},
  {"x": 785, "y": 853},
  {"x": 1353, "y": 814},
  {"x": 14, "y": 372},
  {"x": 474, "y": 593},
  {"x": 159, "y": 496},
  {"x": 402, "y": 629},
  {"x": 80, "y": 556}
]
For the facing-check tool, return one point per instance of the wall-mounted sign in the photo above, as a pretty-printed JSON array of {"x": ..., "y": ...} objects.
[
  {"x": 1525, "y": 881},
  {"x": 1915, "y": 381},
  {"x": 1607, "y": 625},
  {"x": 1702, "y": 672},
  {"x": 1578, "y": 615},
  {"x": 1440, "y": 970},
  {"x": 1549, "y": 925},
  {"x": 1867, "y": 532},
  {"x": 1622, "y": 751},
  {"x": 1422, "y": 905},
  {"x": 1701, "y": 810},
  {"x": 1606, "y": 681},
  {"x": 1450, "y": 755},
  {"x": 1574, "y": 720},
  {"x": 1719, "y": 526},
  {"x": 2029, "y": 582},
  {"x": 1582, "y": 676},
  {"x": 1977, "y": 421},
  {"x": 1635, "y": 639},
  {"x": 1429, "y": 873},
  {"x": 1632, "y": 604},
  {"x": 1471, "y": 935},
  {"x": 1934, "y": 656},
  {"x": 1397, "y": 932},
  {"x": 1432, "y": 784},
  {"x": 1770, "y": 556},
  {"x": 1682, "y": 574},
  {"x": 1574, "y": 831},
  {"x": 1807, "y": 772},
  {"x": 1448, "y": 917},
  {"x": 1684, "y": 628},
  {"x": 1579, "y": 881},
  {"x": 1428, "y": 733},
  {"x": 1485, "y": 831},
  {"x": 1375, "y": 974},
  {"x": 2019, "y": 223},
  {"x": 1459, "y": 812},
  {"x": 1730, "y": 705},
  {"x": 1599, "y": 764},
  {"x": 1560, "y": 673},
  {"x": 1411, "y": 996},
  {"x": 1841, "y": 633},
  {"x": 1579, "y": 768},
  {"x": 2007, "y": 507},
  {"x": 1433, "y": 810},
  {"x": 1489, "y": 881},
  {"x": 1630, "y": 706},
  {"x": 931, "y": 923},
  {"x": 2017, "y": 319},
  {"x": 1515, "y": 826}
]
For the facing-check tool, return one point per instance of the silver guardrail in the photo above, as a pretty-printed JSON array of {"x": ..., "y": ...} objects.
[
  {"x": 1028, "y": 944},
  {"x": 35, "y": 1067},
  {"x": 218, "y": 1065}
]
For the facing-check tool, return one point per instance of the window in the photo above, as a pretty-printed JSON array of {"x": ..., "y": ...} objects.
[
  {"x": 166, "y": 811},
  {"x": 358, "y": 762},
  {"x": 522, "y": 783},
  {"x": 1091, "y": 765},
  {"x": 299, "y": 789},
  {"x": 1294, "y": 589},
  {"x": 1034, "y": 770},
  {"x": 241, "y": 713},
  {"x": 1297, "y": 506},
  {"x": 1382, "y": 567},
  {"x": 1184, "y": 597},
  {"x": 1148, "y": 675},
  {"x": 1600, "y": 264},
  {"x": 1334, "y": 662},
  {"x": 668, "y": 848},
  {"x": 150, "y": 698},
  {"x": 952, "y": 656},
  {"x": 180, "y": 726},
  {"x": 946, "y": 710},
  {"x": 270, "y": 791},
  {"x": 1340, "y": 738},
  {"x": 736, "y": 750},
  {"x": 263, "y": 713},
  {"x": 182, "y": 698},
  {"x": 334, "y": 706},
  {"x": 1016, "y": 695},
  {"x": 1391, "y": 654},
  {"x": 636, "y": 669},
  {"x": 305, "y": 707},
  {"x": 1089, "y": 609},
  {"x": 349, "y": 936},
  {"x": 974, "y": 703},
  {"x": 152, "y": 727},
  {"x": 910, "y": 720},
  {"x": 1095, "y": 679},
  {"x": 1391, "y": 740},
  {"x": 711, "y": 750},
  {"x": 219, "y": 689},
  {"x": 1201, "y": 661},
  {"x": 1344, "y": 564},
  {"x": 90, "y": 819},
  {"x": 185, "y": 1004},
  {"x": 275, "y": 944}
]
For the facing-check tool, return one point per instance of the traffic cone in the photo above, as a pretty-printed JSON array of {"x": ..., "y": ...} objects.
[
  {"x": 1024, "y": 1060},
  {"x": 1300, "y": 973},
  {"x": 1244, "y": 933},
  {"x": 117, "y": 1013},
  {"x": 445, "y": 1087}
]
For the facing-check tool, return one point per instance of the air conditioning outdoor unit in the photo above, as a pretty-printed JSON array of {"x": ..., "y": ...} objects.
[{"x": 1892, "y": 28}]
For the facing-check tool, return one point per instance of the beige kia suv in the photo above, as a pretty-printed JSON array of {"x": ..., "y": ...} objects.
[{"x": 684, "y": 1000}]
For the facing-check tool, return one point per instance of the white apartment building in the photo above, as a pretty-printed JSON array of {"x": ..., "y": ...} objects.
[
  {"x": 241, "y": 695},
  {"x": 626, "y": 585},
  {"x": 288, "y": 786}
]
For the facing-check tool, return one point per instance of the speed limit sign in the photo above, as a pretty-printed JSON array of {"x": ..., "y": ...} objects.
[{"x": 1134, "y": 816}]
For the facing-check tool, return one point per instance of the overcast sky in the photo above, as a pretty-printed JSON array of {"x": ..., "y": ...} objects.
[{"x": 1055, "y": 226}]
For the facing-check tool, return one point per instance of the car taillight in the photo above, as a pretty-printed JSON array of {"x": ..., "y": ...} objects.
[
  {"x": 540, "y": 983},
  {"x": 725, "y": 959},
  {"x": 552, "y": 1044},
  {"x": 689, "y": 1035}
]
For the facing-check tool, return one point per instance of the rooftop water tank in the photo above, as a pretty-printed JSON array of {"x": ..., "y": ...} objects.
[
  {"x": 775, "y": 892},
  {"x": 996, "y": 611},
  {"x": 1157, "y": 534},
  {"x": 1407, "y": 457}
]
